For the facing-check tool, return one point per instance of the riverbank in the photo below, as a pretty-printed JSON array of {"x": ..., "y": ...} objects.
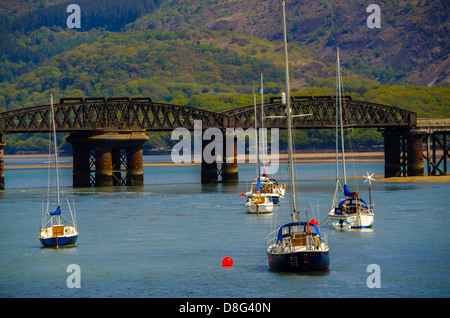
[
  {"x": 421, "y": 179},
  {"x": 26, "y": 161}
]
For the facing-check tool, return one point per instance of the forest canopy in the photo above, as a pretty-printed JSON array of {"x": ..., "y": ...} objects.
[{"x": 213, "y": 70}]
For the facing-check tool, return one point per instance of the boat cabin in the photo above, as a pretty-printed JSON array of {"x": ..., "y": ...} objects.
[
  {"x": 299, "y": 234},
  {"x": 266, "y": 187},
  {"x": 351, "y": 205}
]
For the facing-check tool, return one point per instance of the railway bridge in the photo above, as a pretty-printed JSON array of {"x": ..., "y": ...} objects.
[{"x": 107, "y": 134}]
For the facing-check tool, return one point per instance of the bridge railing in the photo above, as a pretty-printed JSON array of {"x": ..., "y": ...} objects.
[
  {"x": 90, "y": 114},
  {"x": 120, "y": 113}
]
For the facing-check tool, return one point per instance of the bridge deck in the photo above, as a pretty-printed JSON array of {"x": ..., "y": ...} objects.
[
  {"x": 430, "y": 125},
  {"x": 142, "y": 114}
]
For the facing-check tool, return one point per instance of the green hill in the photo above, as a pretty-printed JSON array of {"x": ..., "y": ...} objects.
[
  {"x": 411, "y": 47},
  {"x": 208, "y": 53}
]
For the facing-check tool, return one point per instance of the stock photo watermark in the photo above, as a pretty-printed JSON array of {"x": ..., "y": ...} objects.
[
  {"x": 374, "y": 279},
  {"x": 374, "y": 20},
  {"x": 74, "y": 279},
  {"x": 214, "y": 150},
  {"x": 73, "y": 20}
]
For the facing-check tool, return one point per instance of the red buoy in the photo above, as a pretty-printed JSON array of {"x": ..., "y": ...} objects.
[
  {"x": 227, "y": 261},
  {"x": 315, "y": 222}
]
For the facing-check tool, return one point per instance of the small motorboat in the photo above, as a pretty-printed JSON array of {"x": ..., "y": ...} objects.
[{"x": 341, "y": 225}]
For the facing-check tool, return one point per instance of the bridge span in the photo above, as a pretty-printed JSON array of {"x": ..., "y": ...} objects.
[{"x": 107, "y": 134}]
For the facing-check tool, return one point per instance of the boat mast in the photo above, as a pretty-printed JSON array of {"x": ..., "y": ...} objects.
[
  {"x": 262, "y": 136},
  {"x": 288, "y": 116},
  {"x": 340, "y": 115},
  {"x": 56, "y": 150},
  {"x": 256, "y": 134},
  {"x": 337, "y": 123}
]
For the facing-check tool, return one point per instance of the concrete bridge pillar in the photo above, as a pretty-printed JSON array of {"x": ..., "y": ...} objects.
[
  {"x": 209, "y": 173},
  {"x": 414, "y": 144},
  {"x": 2, "y": 161},
  {"x": 135, "y": 166},
  {"x": 99, "y": 159},
  {"x": 392, "y": 164},
  {"x": 230, "y": 164},
  {"x": 81, "y": 164},
  {"x": 229, "y": 168},
  {"x": 103, "y": 166},
  {"x": 403, "y": 153}
]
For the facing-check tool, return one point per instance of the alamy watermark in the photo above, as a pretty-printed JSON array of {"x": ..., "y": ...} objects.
[
  {"x": 374, "y": 20},
  {"x": 374, "y": 279},
  {"x": 74, "y": 20},
  {"x": 214, "y": 150},
  {"x": 74, "y": 279}
]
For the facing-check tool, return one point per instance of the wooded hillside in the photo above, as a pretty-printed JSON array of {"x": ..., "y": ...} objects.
[{"x": 207, "y": 54}]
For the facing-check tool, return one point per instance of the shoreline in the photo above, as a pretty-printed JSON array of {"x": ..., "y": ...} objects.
[
  {"x": 416, "y": 179},
  {"x": 282, "y": 158},
  {"x": 300, "y": 158}
]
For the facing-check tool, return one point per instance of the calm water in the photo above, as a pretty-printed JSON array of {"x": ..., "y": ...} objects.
[{"x": 168, "y": 239}]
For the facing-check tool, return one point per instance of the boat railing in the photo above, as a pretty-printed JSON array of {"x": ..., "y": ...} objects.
[
  {"x": 311, "y": 241},
  {"x": 324, "y": 238},
  {"x": 272, "y": 237}
]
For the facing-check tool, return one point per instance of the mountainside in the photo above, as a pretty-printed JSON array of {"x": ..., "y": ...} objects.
[
  {"x": 208, "y": 54},
  {"x": 412, "y": 43},
  {"x": 174, "y": 50}
]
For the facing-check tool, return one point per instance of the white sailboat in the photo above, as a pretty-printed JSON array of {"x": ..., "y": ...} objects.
[
  {"x": 296, "y": 246},
  {"x": 260, "y": 199},
  {"x": 56, "y": 230},
  {"x": 263, "y": 186},
  {"x": 352, "y": 210},
  {"x": 268, "y": 187}
]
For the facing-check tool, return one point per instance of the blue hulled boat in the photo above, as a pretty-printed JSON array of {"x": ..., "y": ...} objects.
[
  {"x": 56, "y": 241},
  {"x": 352, "y": 209},
  {"x": 296, "y": 246},
  {"x": 57, "y": 230}
]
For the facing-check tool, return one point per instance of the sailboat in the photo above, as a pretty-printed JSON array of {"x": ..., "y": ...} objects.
[
  {"x": 352, "y": 211},
  {"x": 260, "y": 199},
  {"x": 297, "y": 245},
  {"x": 56, "y": 230},
  {"x": 263, "y": 186},
  {"x": 267, "y": 187}
]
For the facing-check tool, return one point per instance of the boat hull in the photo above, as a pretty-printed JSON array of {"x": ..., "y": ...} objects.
[
  {"x": 299, "y": 261},
  {"x": 274, "y": 198},
  {"x": 341, "y": 225},
  {"x": 356, "y": 220},
  {"x": 58, "y": 241},
  {"x": 260, "y": 208},
  {"x": 259, "y": 204}
]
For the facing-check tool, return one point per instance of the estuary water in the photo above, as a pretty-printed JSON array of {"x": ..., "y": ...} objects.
[{"x": 167, "y": 239}]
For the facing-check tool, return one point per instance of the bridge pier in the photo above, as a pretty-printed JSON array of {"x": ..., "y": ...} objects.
[
  {"x": 2, "y": 161},
  {"x": 81, "y": 164},
  {"x": 414, "y": 144},
  {"x": 434, "y": 141},
  {"x": 392, "y": 157},
  {"x": 100, "y": 159},
  {"x": 103, "y": 166},
  {"x": 230, "y": 164},
  {"x": 209, "y": 172},
  {"x": 403, "y": 153},
  {"x": 135, "y": 166},
  {"x": 229, "y": 167}
]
